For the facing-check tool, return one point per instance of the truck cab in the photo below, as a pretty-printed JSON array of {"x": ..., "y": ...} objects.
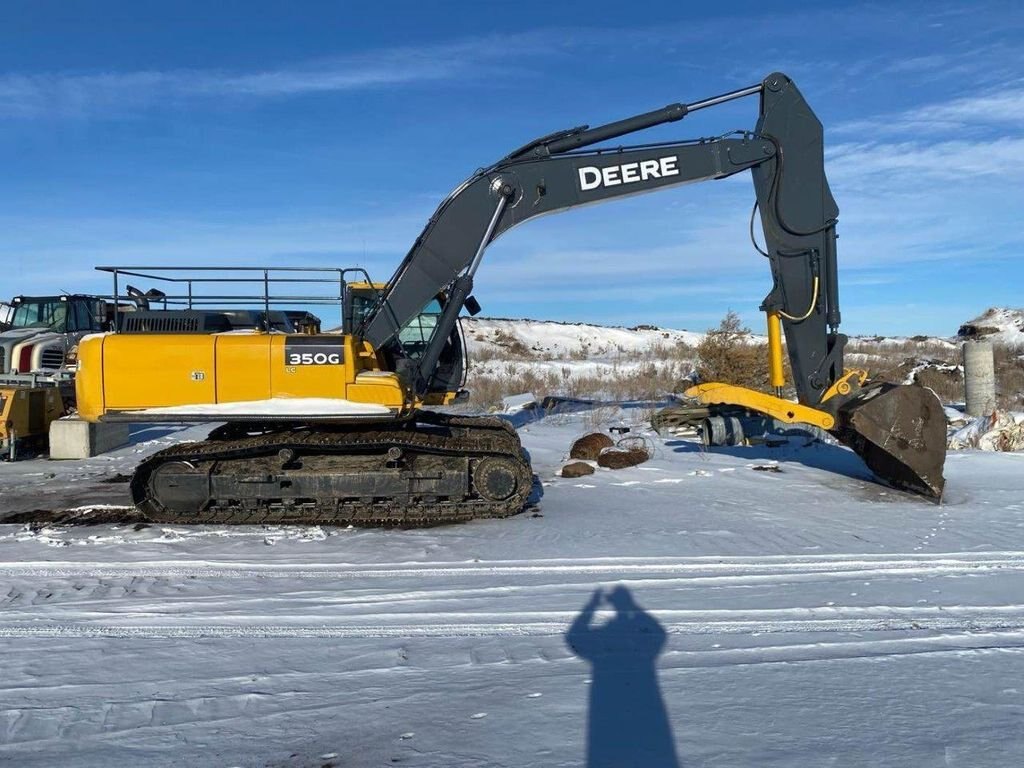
[{"x": 42, "y": 330}]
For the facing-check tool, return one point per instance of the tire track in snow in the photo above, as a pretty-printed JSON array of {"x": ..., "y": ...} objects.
[
  {"x": 725, "y": 565},
  {"x": 545, "y": 623},
  {"x": 278, "y": 693},
  {"x": 206, "y": 588},
  {"x": 97, "y": 589},
  {"x": 168, "y": 599}
]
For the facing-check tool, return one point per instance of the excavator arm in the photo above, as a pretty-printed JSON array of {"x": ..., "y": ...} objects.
[
  {"x": 896, "y": 430},
  {"x": 556, "y": 173}
]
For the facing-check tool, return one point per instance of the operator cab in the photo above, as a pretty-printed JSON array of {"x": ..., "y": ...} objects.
[{"x": 409, "y": 345}]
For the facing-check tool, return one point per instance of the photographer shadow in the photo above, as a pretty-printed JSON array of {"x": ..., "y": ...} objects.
[{"x": 627, "y": 724}]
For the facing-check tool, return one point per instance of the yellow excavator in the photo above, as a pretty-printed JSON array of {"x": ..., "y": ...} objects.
[{"x": 336, "y": 428}]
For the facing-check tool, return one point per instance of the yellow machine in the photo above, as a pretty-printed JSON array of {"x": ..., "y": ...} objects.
[
  {"x": 156, "y": 374},
  {"x": 25, "y": 415},
  {"x": 330, "y": 427},
  {"x": 246, "y": 371}
]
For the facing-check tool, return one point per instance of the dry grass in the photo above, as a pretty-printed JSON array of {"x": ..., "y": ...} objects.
[
  {"x": 648, "y": 382},
  {"x": 727, "y": 355},
  {"x": 486, "y": 391},
  {"x": 508, "y": 348},
  {"x": 947, "y": 382},
  {"x": 1009, "y": 364},
  {"x": 916, "y": 346}
]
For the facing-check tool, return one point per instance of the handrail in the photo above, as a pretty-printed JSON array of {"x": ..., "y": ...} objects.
[{"x": 194, "y": 279}]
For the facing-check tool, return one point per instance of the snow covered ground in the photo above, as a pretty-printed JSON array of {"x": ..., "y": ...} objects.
[{"x": 810, "y": 618}]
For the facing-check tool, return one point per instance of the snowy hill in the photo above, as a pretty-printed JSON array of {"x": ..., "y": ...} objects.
[
  {"x": 576, "y": 359},
  {"x": 489, "y": 338},
  {"x": 543, "y": 339},
  {"x": 510, "y": 356},
  {"x": 998, "y": 324}
]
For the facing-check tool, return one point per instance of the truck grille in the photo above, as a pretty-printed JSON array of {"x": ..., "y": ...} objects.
[{"x": 52, "y": 358}]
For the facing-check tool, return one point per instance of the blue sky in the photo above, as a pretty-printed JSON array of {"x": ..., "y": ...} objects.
[{"x": 325, "y": 134}]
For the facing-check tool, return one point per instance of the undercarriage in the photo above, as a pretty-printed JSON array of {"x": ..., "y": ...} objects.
[{"x": 429, "y": 470}]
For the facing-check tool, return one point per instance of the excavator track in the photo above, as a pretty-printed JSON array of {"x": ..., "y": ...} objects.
[{"x": 430, "y": 470}]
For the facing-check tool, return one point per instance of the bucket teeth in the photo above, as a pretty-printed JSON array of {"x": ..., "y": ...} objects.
[{"x": 900, "y": 432}]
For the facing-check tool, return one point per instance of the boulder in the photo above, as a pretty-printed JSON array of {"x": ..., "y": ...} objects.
[
  {"x": 577, "y": 469},
  {"x": 589, "y": 447}
]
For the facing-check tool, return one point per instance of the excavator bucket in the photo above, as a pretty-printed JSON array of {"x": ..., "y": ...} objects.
[{"x": 900, "y": 432}]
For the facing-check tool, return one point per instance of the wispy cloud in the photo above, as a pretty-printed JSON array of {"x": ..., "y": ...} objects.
[
  {"x": 996, "y": 109},
  {"x": 38, "y": 243},
  {"x": 925, "y": 162},
  {"x": 90, "y": 93}
]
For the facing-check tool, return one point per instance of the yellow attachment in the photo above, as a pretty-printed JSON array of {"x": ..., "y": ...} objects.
[
  {"x": 776, "y": 372},
  {"x": 26, "y": 412},
  {"x": 437, "y": 398},
  {"x": 846, "y": 383},
  {"x": 776, "y": 407}
]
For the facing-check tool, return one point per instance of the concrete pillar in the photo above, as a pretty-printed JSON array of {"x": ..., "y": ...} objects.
[
  {"x": 78, "y": 439},
  {"x": 979, "y": 378}
]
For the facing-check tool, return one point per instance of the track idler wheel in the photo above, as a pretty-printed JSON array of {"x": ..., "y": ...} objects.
[
  {"x": 496, "y": 478},
  {"x": 180, "y": 487},
  {"x": 900, "y": 432}
]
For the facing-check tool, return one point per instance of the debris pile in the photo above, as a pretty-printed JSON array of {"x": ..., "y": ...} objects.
[{"x": 1002, "y": 431}]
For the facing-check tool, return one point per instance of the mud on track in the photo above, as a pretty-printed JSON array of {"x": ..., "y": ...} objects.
[{"x": 104, "y": 514}]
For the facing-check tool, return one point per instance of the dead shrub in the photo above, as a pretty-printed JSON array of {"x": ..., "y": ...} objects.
[
  {"x": 618, "y": 458},
  {"x": 726, "y": 354},
  {"x": 513, "y": 347},
  {"x": 947, "y": 383},
  {"x": 1009, "y": 367}
]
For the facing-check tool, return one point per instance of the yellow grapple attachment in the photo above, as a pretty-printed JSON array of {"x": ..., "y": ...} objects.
[{"x": 898, "y": 430}]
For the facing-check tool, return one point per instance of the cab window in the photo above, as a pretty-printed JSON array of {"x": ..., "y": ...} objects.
[
  {"x": 51, "y": 314},
  {"x": 82, "y": 317},
  {"x": 415, "y": 336}
]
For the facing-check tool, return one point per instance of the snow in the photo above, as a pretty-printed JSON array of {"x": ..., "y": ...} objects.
[
  {"x": 997, "y": 324},
  {"x": 490, "y": 337},
  {"x": 276, "y": 406},
  {"x": 809, "y": 616},
  {"x": 551, "y": 340},
  {"x": 516, "y": 403}
]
